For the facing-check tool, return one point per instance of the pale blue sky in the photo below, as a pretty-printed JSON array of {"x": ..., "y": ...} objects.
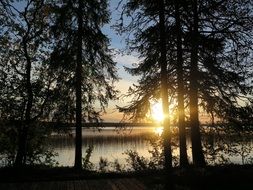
[{"x": 118, "y": 43}]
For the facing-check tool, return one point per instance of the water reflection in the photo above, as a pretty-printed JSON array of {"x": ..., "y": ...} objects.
[
  {"x": 111, "y": 144},
  {"x": 108, "y": 143},
  {"x": 158, "y": 131}
]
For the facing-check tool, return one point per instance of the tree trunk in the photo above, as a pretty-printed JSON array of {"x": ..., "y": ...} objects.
[
  {"x": 197, "y": 152},
  {"x": 78, "y": 149},
  {"x": 180, "y": 90},
  {"x": 164, "y": 89},
  {"x": 20, "y": 159},
  {"x": 23, "y": 132}
]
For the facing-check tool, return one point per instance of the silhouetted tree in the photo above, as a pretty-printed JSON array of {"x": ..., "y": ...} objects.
[
  {"x": 84, "y": 62},
  {"x": 215, "y": 50},
  {"x": 145, "y": 15},
  {"x": 145, "y": 42},
  {"x": 150, "y": 43},
  {"x": 197, "y": 152},
  {"x": 228, "y": 50},
  {"x": 164, "y": 86},
  {"x": 180, "y": 86},
  {"x": 221, "y": 42},
  {"x": 25, "y": 82}
]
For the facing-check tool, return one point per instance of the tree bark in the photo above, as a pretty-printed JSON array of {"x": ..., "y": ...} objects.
[
  {"x": 164, "y": 89},
  {"x": 197, "y": 152},
  {"x": 78, "y": 148},
  {"x": 20, "y": 159},
  {"x": 180, "y": 90}
]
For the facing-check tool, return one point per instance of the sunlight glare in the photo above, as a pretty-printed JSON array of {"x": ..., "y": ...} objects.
[
  {"x": 157, "y": 112},
  {"x": 158, "y": 131}
]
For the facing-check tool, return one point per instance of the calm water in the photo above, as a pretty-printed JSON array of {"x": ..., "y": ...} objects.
[
  {"x": 107, "y": 143},
  {"x": 112, "y": 144}
]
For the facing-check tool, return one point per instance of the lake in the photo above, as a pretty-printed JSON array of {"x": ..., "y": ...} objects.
[
  {"x": 112, "y": 144},
  {"x": 107, "y": 143}
]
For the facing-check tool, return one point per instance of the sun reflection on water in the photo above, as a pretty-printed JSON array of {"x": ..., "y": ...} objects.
[{"x": 158, "y": 131}]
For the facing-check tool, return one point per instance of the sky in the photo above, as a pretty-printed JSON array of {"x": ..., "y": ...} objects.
[{"x": 126, "y": 80}]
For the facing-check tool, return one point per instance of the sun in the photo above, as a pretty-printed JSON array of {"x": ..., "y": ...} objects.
[{"x": 157, "y": 112}]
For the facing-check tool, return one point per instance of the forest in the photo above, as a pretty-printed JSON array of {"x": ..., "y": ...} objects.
[{"x": 58, "y": 74}]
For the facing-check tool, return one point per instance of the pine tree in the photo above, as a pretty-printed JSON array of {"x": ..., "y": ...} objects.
[
  {"x": 145, "y": 43},
  {"x": 215, "y": 50},
  {"x": 164, "y": 87},
  {"x": 180, "y": 86},
  {"x": 84, "y": 62},
  {"x": 155, "y": 44},
  {"x": 197, "y": 152},
  {"x": 220, "y": 46}
]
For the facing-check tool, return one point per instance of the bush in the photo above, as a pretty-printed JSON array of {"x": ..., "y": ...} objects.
[
  {"x": 38, "y": 149},
  {"x": 87, "y": 164}
]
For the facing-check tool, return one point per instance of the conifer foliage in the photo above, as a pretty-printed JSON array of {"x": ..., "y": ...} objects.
[{"x": 208, "y": 55}]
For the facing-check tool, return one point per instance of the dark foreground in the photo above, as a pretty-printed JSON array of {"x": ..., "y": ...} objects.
[
  {"x": 210, "y": 178},
  {"x": 91, "y": 184}
]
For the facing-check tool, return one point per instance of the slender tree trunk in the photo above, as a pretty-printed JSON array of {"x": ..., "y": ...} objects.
[
  {"x": 197, "y": 152},
  {"x": 164, "y": 89},
  {"x": 20, "y": 159},
  {"x": 23, "y": 132},
  {"x": 180, "y": 90},
  {"x": 78, "y": 149}
]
